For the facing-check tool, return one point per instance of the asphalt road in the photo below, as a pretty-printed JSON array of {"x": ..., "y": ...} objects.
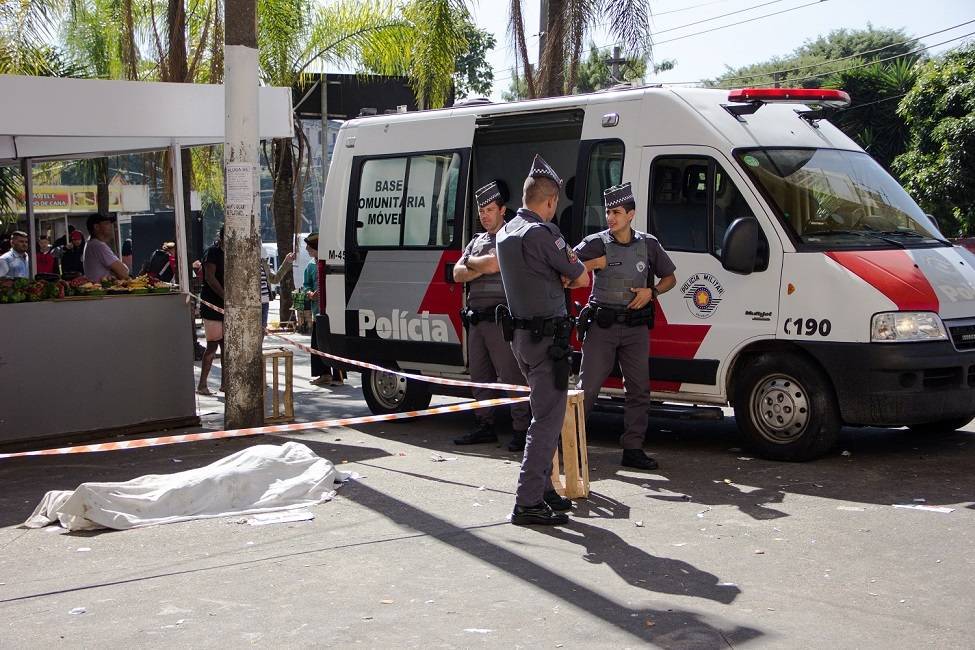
[{"x": 715, "y": 549}]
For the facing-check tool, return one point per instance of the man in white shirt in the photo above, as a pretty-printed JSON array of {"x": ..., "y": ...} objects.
[{"x": 13, "y": 263}]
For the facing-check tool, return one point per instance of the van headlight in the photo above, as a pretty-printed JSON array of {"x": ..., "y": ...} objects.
[{"x": 905, "y": 326}]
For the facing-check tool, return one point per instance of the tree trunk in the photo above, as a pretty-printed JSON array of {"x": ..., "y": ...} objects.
[
  {"x": 552, "y": 61},
  {"x": 283, "y": 211},
  {"x": 243, "y": 363}
]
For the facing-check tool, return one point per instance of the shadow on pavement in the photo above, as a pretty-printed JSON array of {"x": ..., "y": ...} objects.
[
  {"x": 641, "y": 569},
  {"x": 666, "y": 628}
]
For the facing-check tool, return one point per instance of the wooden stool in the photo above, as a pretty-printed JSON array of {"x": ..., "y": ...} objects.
[
  {"x": 288, "y": 415},
  {"x": 575, "y": 453}
]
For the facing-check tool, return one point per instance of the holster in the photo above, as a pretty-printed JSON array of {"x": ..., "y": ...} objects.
[
  {"x": 560, "y": 354},
  {"x": 584, "y": 322},
  {"x": 504, "y": 318},
  {"x": 465, "y": 317}
]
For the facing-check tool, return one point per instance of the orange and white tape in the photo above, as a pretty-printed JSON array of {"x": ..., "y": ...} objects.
[
  {"x": 513, "y": 388},
  {"x": 139, "y": 443}
]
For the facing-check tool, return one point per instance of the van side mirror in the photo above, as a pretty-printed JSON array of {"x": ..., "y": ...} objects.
[{"x": 740, "y": 249}]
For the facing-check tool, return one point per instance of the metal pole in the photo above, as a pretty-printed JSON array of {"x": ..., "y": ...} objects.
[
  {"x": 179, "y": 216},
  {"x": 27, "y": 169},
  {"x": 243, "y": 364}
]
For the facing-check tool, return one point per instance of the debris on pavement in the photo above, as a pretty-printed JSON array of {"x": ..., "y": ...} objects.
[
  {"x": 918, "y": 506},
  {"x": 638, "y": 524},
  {"x": 78, "y": 610},
  {"x": 477, "y": 630},
  {"x": 286, "y": 517},
  {"x": 851, "y": 508},
  {"x": 84, "y": 549},
  {"x": 846, "y": 452},
  {"x": 386, "y": 601},
  {"x": 440, "y": 458}
]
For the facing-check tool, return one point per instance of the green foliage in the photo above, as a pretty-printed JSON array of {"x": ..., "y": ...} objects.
[
  {"x": 849, "y": 42},
  {"x": 517, "y": 88},
  {"x": 568, "y": 25},
  {"x": 939, "y": 167},
  {"x": 872, "y": 121},
  {"x": 595, "y": 74},
  {"x": 812, "y": 63},
  {"x": 473, "y": 75}
]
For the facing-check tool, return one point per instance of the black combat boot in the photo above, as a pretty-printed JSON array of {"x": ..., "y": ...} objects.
[
  {"x": 483, "y": 434},
  {"x": 540, "y": 514},
  {"x": 557, "y": 502},
  {"x": 637, "y": 459},
  {"x": 517, "y": 441}
]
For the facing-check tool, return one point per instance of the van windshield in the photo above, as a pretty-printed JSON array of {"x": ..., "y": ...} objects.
[{"x": 830, "y": 198}]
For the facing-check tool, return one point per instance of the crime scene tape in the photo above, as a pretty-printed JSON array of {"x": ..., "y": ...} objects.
[
  {"x": 139, "y": 443},
  {"x": 363, "y": 364}
]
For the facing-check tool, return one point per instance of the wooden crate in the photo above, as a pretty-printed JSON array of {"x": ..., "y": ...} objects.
[
  {"x": 575, "y": 453},
  {"x": 282, "y": 405}
]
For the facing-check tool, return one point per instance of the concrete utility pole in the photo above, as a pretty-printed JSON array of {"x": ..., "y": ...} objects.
[{"x": 243, "y": 363}]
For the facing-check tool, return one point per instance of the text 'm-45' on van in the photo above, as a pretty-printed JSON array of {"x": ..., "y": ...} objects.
[{"x": 812, "y": 291}]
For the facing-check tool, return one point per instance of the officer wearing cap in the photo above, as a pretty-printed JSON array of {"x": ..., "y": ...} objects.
[
  {"x": 614, "y": 323},
  {"x": 536, "y": 266},
  {"x": 489, "y": 356}
]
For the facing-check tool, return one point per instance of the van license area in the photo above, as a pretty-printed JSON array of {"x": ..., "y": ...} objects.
[{"x": 807, "y": 327}]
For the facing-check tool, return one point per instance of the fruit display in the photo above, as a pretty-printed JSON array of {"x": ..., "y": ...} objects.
[{"x": 13, "y": 290}]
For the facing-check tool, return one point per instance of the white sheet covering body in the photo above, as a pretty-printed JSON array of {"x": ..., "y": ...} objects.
[{"x": 262, "y": 478}]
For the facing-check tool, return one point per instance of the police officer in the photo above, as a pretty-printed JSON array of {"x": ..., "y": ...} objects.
[
  {"x": 620, "y": 310},
  {"x": 489, "y": 356},
  {"x": 536, "y": 265}
]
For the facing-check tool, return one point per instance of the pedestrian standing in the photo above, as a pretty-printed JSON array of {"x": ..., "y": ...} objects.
[
  {"x": 536, "y": 265},
  {"x": 324, "y": 375},
  {"x": 625, "y": 262},
  {"x": 46, "y": 262},
  {"x": 269, "y": 277},
  {"x": 14, "y": 263},
  {"x": 489, "y": 356},
  {"x": 213, "y": 293}
]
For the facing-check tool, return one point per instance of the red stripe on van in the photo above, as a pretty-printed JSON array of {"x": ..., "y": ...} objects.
[
  {"x": 442, "y": 297},
  {"x": 675, "y": 341},
  {"x": 892, "y": 273}
]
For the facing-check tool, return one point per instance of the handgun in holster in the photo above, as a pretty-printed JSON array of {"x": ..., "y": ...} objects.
[
  {"x": 560, "y": 354},
  {"x": 465, "y": 317},
  {"x": 503, "y": 315},
  {"x": 584, "y": 322}
]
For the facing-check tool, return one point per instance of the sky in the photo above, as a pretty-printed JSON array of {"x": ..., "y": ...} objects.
[{"x": 707, "y": 55}]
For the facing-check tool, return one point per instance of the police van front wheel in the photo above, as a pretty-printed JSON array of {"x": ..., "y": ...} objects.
[
  {"x": 386, "y": 392},
  {"x": 785, "y": 407}
]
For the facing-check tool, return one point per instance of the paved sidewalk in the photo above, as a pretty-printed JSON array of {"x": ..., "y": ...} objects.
[{"x": 715, "y": 549}]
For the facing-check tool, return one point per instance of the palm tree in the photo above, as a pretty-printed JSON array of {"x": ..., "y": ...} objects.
[
  {"x": 419, "y": 40},
  {"x": 568, "y": 24}
]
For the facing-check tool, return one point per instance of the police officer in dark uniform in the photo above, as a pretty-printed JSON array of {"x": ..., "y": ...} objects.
[
  {"x": 536, "y": 266},
  {"x": 489, "y": 355},
  {"x": 620, "y": 310}
]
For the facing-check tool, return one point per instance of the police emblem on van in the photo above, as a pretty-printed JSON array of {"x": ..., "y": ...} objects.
[{"x": 702, "y": 294}]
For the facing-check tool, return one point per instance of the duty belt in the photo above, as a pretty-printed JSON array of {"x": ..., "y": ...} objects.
[
  {"x": 474, "y": 316},
  {"x": 539, "y": 325},
  {"x": 607, "y": 316}
]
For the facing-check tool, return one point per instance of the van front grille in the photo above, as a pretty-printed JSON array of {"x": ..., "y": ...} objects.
[{"x": 962, "y": 333}]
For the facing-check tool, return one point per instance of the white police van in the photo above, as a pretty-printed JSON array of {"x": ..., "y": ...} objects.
[{"x": 812, "y": 291}]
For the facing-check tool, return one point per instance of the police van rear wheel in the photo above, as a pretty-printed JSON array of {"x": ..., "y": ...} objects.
[
  {"x": 386, "y": 392},
  {"x": 785, "y": 408}
]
